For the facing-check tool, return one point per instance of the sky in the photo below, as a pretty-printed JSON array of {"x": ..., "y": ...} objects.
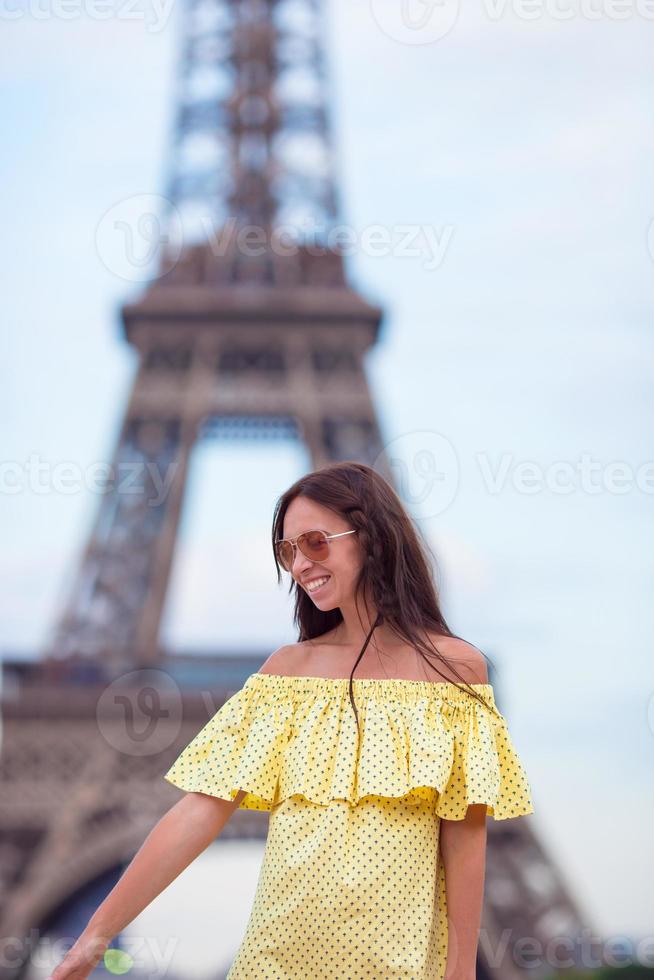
[{"x": 521, "y": 134}]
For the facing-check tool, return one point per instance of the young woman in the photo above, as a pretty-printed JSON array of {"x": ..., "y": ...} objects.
[{"x": 378, "y": 785}]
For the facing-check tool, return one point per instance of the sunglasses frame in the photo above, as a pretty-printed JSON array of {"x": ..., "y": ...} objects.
[{"x": 295, "y": 546}]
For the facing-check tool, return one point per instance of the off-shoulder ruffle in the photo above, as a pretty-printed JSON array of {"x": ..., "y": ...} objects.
[{"x": 282, "y": 736}]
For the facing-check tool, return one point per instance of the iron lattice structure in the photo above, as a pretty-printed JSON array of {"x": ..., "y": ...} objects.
[
  {"x": 252, "y": 146},
  {"x": 232, "y": 340}
]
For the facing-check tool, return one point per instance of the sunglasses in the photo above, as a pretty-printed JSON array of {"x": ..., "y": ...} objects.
[{"x": 313, "y": 545}]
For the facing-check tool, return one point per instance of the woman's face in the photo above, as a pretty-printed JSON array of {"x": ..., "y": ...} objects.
[{"x": 343, "y": 564}]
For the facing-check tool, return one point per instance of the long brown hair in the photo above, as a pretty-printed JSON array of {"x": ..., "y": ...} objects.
[{"x": 395, "y": 573}]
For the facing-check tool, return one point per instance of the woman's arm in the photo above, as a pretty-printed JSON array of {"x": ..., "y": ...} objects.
[
  {"x": 172, "y": 844},
  {"x": 463, "y": 851}
]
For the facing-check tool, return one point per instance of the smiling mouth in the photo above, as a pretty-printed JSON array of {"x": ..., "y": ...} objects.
[{"x": 312, "y": 591}]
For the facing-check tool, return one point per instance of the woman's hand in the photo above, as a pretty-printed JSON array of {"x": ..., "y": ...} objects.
[
  {"x": 82, "y": 958},
  {"x": 176, "y": 840}
]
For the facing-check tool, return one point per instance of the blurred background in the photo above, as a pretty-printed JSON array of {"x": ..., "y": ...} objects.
[{"x": 490, "y": 170}]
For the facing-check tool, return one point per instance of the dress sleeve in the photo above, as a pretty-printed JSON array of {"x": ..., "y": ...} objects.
[
  {"x": 484, "y": 765},
  {"x": 240, "y": 747},
  {"x": 425, "y": 742}
]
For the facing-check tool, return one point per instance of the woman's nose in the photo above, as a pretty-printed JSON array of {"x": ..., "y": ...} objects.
[{"x": 300, "y": 562}]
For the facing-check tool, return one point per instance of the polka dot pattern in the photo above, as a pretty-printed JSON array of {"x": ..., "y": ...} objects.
[
  {"x": 347, "y": 892},
  {"x": 351, "y": 884}
]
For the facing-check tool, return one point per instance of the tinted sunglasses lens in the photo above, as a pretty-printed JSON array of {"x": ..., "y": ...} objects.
[
  {"x": 314, "y": 545},
  {"x": 285, "y": 554}
]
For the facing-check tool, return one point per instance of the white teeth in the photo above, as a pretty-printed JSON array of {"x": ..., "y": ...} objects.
[{"x": 312, "y": 586}]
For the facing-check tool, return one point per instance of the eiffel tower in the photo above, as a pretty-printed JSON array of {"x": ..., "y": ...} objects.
[{"x": 248, "y": 329}]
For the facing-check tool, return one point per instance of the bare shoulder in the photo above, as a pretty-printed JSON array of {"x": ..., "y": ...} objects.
[
  {"x": 283, "y": 660},
  {"x": 467, "y": 659}
]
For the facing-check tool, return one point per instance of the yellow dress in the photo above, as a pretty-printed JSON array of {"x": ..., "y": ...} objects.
[{"x": 351, "y": 883}]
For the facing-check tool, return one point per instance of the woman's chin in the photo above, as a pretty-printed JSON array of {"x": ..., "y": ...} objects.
[{"x": 326, "y": 605}]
